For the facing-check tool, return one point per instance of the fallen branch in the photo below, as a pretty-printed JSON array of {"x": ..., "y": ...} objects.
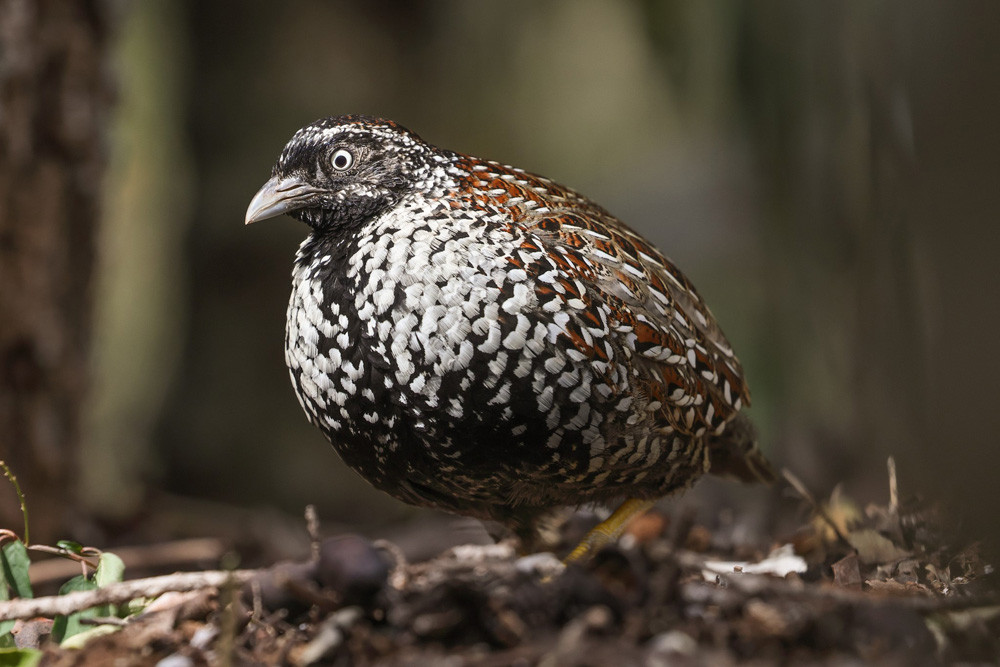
[{"x": 121, "y": 592}]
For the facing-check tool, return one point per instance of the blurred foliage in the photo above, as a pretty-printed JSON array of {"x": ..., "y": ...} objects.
[{"x": 807, "y": 164}]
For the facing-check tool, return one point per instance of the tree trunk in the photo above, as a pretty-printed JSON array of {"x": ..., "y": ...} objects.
[{"x": 54, "y": 99}]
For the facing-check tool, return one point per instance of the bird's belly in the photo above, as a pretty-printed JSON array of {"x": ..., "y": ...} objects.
[
  {"x": 430, "y": 363},
  {"x": 521, "y": 423}
]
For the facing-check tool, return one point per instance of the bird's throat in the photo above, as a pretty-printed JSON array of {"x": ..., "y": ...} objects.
[{"x": 346, "y": 217}]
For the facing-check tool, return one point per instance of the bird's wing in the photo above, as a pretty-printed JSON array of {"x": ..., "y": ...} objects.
[{"x": 693, "y": 372}]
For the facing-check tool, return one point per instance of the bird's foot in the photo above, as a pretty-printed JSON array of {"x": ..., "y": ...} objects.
[{"x": 609, "y": 530}]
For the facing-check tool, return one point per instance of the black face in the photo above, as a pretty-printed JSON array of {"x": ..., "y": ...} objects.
[{"x": 339, "y": 172}]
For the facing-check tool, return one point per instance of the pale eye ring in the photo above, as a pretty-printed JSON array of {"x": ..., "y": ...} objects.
[{"x": 342, "y": 159}]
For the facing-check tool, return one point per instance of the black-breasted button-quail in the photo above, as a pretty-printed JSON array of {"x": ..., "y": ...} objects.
[{"x": 476, "y": 338}]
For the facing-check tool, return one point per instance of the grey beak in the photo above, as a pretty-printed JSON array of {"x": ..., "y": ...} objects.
[{"x": 279, "y": 195}]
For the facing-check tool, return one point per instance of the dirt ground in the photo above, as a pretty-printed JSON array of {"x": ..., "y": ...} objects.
[{"x": 834, "y": 584}]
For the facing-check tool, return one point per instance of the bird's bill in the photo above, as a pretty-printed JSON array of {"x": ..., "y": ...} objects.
[{"x": 278, "y": 196}]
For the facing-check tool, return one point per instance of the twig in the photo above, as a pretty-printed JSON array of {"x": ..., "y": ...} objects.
[
  {"x": 312, "y": 527},
  {"x": 893, "y": 489},
  {"x": 9, "y": 474},
  {"x": 167, "y": 555},
  {"x": 398, "y": 577},
  {"x": 226, "y": 643},
  {"x": 817, "y": 507},
  {"x": 104, "y": 620},
  {"x": 74, "y": 560},
  {"x": 258, "y": 604},
  {"x": 120, "y": 592},
  {"x": 757, "y": 585}
]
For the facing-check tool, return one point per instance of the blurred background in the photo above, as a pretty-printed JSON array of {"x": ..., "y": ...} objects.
[{"x": 827, "y": 174}]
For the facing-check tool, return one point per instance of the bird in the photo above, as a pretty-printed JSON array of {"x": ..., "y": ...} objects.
[{"x": 479, "y": 339}]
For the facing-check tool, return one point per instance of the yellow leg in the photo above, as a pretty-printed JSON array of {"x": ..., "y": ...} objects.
[{"x": 610, "y": 529}]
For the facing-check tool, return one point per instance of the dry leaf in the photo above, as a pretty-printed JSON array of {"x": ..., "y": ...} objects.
[
  {"x": 874, "y": 548},
  {"x": 847, "y": 572}
]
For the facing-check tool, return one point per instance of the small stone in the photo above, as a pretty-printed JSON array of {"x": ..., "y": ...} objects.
[
  {"x": 278, "y": 584},
  {"x": 351, "y": 566}
]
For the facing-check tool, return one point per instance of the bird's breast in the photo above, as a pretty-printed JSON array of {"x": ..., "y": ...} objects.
[
  {"x": 416, "y": 329},
  {"x": 423, "y": 341}
]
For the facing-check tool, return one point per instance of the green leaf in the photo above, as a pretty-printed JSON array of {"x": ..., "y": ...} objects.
[
  {"x": 64, "y": 627},
  {"x": 110, "y": 570},
  {"x": 20, "y": 657},
  {"x": 7, "y": 639},
  {"x": 134, "y": 606},
  {"x": 70, "y": 545},
  {"x": 4, "y": 586},
  {"x": 79, "y": 639},
  {"x": 13, "y": 575},
  {"x": 15, "y": 568}
]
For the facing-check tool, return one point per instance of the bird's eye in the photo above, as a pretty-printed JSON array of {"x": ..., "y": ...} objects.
[{"x": 342, "y": 159}]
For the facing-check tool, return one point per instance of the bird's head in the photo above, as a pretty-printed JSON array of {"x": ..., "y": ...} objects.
[{"x": 340, "y": 171}]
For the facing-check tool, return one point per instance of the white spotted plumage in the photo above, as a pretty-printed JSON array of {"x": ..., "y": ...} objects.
[{"x": 477, "y": 338}]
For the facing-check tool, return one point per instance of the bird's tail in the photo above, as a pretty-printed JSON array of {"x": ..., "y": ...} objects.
[{"x": 735, "y": 454}]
